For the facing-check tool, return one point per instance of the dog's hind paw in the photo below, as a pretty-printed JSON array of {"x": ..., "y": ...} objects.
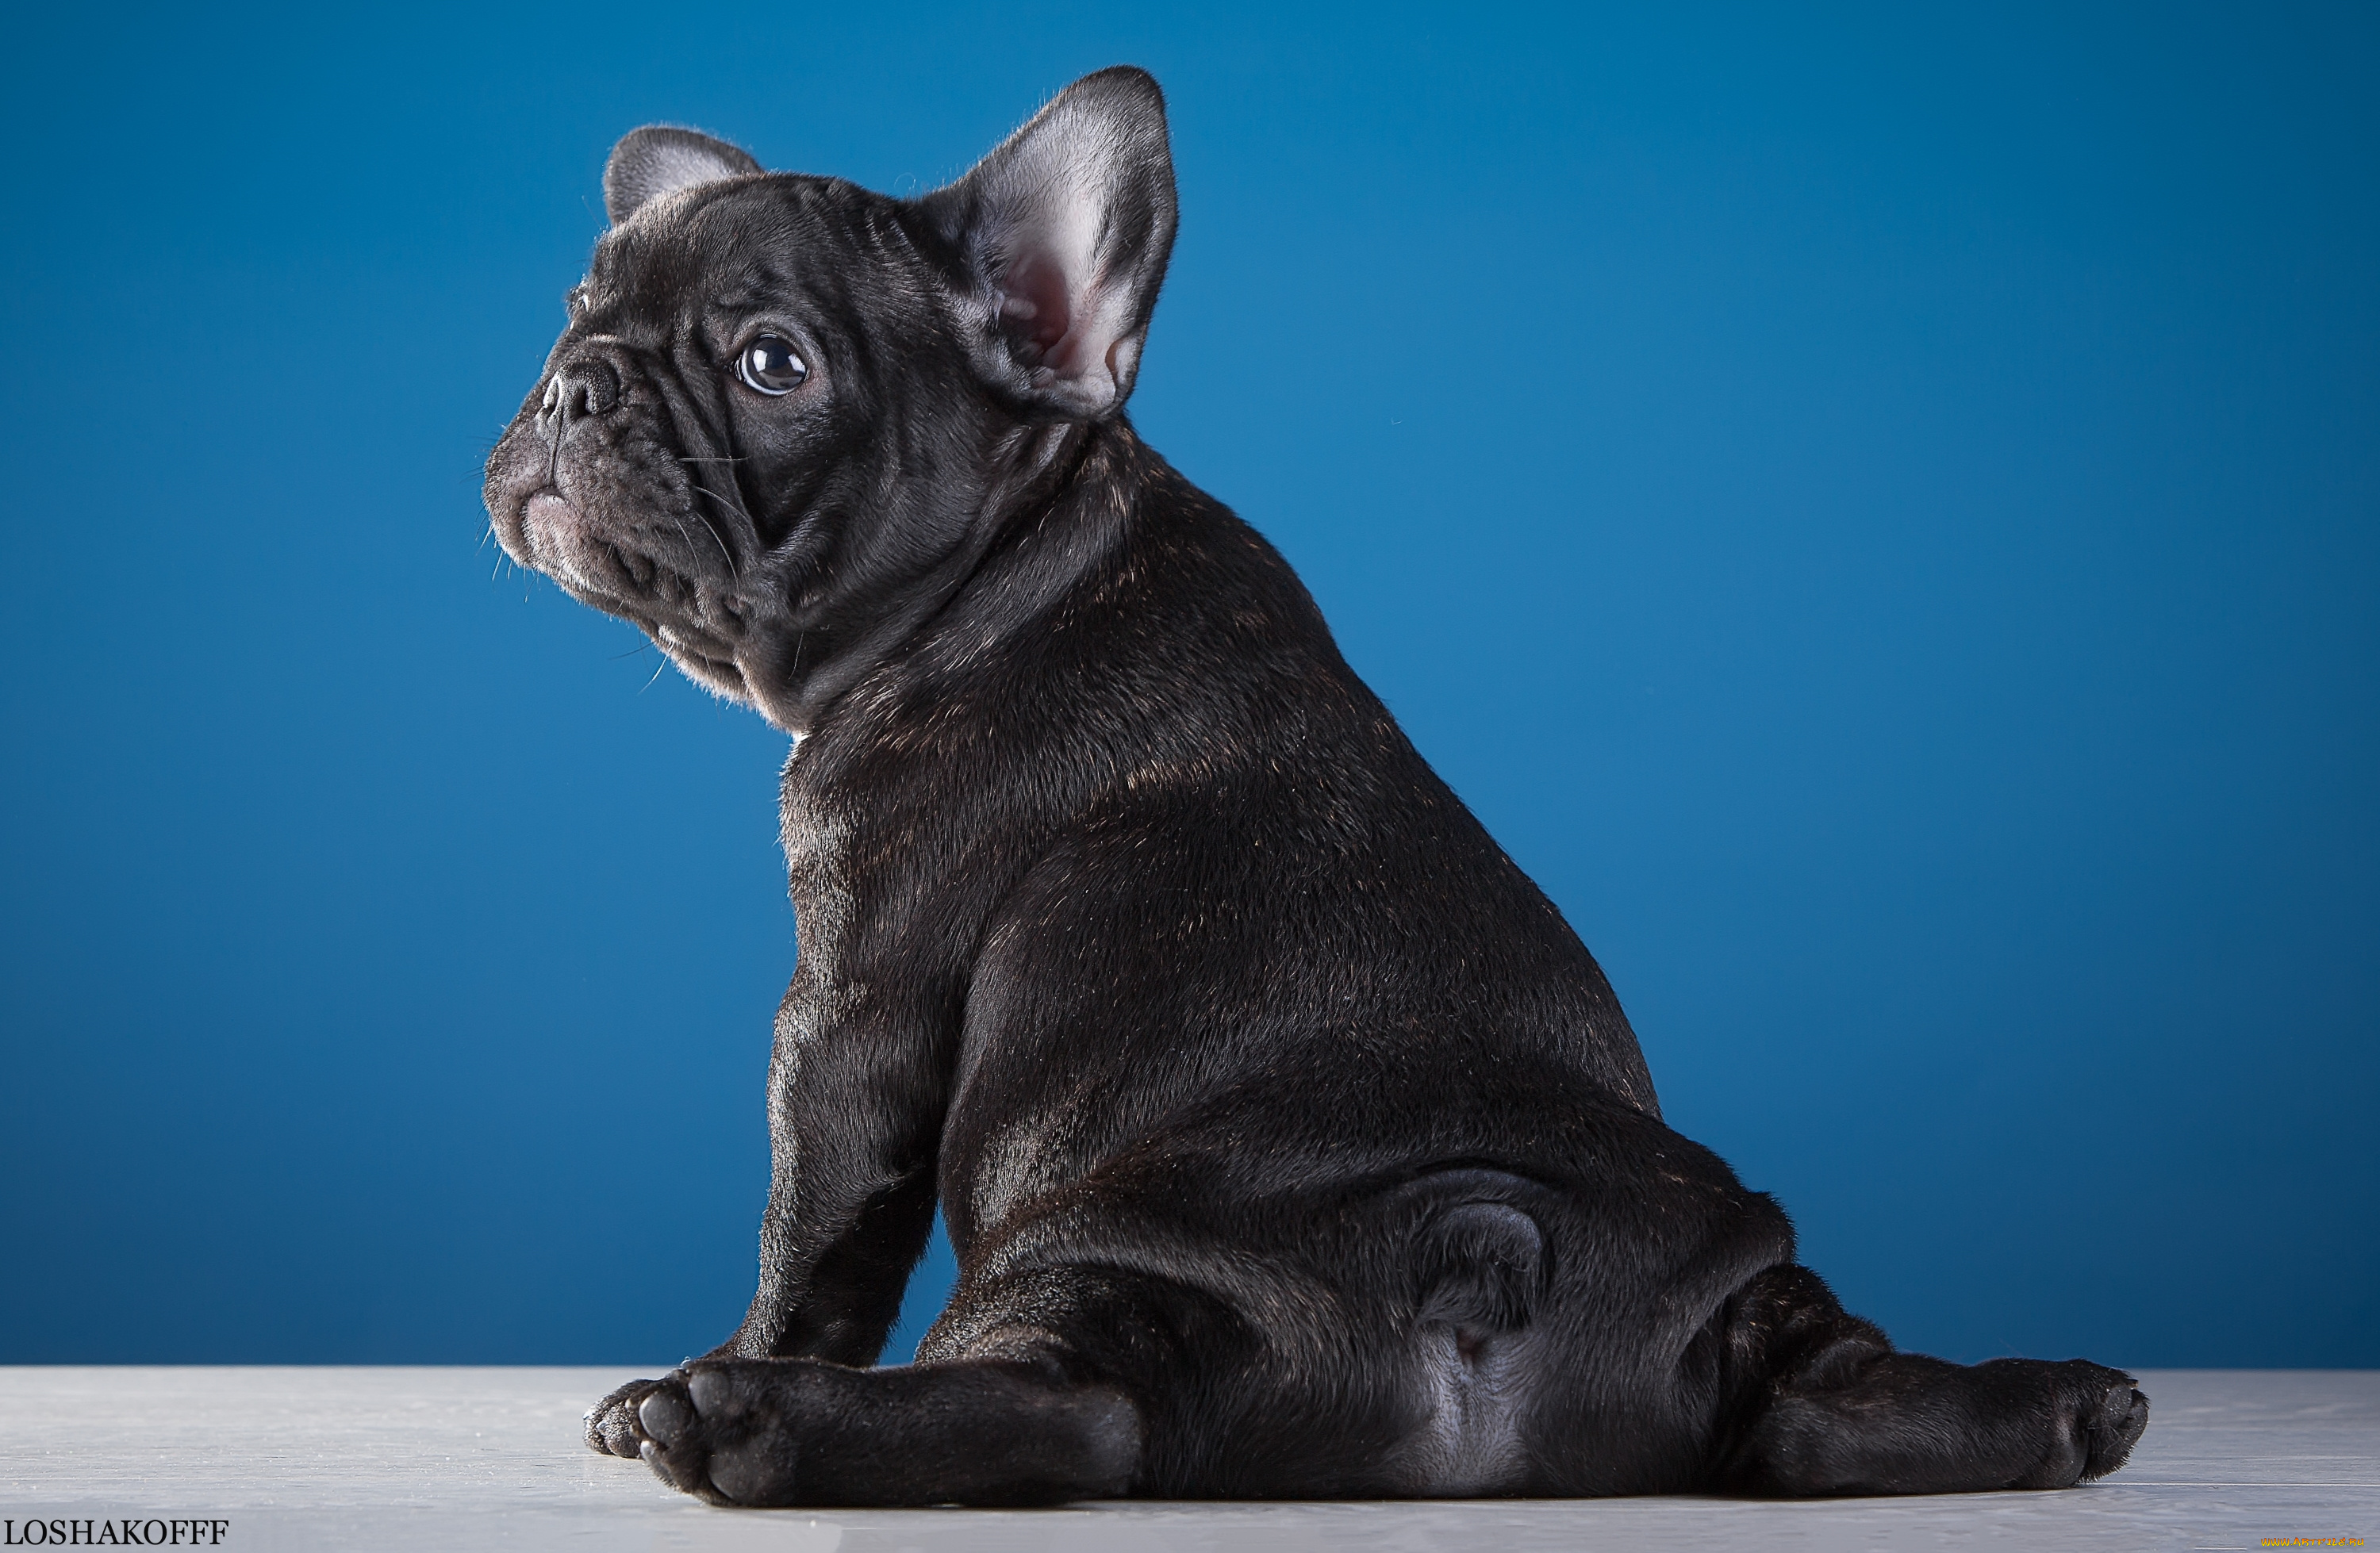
[
  {"x": 2111, "y": 1432},
  {"x": 612, "y": 1423},
  {"x": 2098, "y": 1414},
  {"x": 711, "y": 1433}
]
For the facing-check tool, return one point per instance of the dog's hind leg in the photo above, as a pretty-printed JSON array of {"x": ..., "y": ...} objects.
[
  {"x": 802, "y": 1431},
  {"x": 1053, "y": 1383},
  {"x": 1829, "y": 1407}
]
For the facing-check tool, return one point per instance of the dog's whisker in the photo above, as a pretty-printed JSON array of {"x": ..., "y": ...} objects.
[
  {"x": 687, "y": 538},
  {"x": 737, "y": 508}
]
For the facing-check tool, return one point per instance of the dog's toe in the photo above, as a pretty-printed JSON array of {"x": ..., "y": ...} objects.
[
  {"x": 2099, "y": 1416},
  {"x": 677, "y": 1446},
  {"x": 2114, "y": 1427},
  {"x": 612, "y": 1423},
  {"x": 715, "y": 1391},
  {"x": 665, "y": 1414}
]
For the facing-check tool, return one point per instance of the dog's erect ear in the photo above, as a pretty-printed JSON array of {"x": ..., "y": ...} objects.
[
  {"x": 1062, "y": 236},
  {"x": 661, "y": 158}
]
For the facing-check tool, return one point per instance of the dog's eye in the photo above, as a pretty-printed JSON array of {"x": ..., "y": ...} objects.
[{"x": 769, "y": 365}]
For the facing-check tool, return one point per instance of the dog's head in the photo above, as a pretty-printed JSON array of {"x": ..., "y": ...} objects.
[{"x": 787, "y": 413}]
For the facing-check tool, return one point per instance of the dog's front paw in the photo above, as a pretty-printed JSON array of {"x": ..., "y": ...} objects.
[
  {"x": 715, "y": 1430},
  {"x": 612, "y": 1423}
]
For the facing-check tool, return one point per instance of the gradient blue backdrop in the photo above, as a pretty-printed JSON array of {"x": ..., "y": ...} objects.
[{"x": 1878, "y": 512}]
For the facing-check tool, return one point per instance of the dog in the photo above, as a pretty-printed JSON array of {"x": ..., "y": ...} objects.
[{"x": 1291, "y": 1143}]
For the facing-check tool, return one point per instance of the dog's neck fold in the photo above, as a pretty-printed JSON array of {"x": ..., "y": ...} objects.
[{"x": 794, "y": 674}]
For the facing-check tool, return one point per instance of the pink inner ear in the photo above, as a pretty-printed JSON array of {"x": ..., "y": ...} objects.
[{"x": 1035, "y": 307}]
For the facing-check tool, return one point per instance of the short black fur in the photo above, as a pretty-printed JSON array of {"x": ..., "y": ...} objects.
[{"x": 1291, "y": 1143}]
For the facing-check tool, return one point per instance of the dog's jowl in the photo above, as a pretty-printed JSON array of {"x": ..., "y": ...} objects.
[{"x": 1291, "y": 1143}]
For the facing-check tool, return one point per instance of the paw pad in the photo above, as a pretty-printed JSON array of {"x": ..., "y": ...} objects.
[{"x": 665, "y": 1414}]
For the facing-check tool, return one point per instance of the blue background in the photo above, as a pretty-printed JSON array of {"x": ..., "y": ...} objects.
[{"x": 1879, "y": 512}]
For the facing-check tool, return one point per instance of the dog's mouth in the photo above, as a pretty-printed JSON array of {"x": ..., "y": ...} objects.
[
  {"x": 558, "y": 538},
  {"x": 708, "y": 663},
  {"x": 590, "y": 557},
  {"x": 563, "y": 544}
]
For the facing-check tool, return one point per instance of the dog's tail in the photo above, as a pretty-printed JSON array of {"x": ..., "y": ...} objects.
[{"x": 1480, "y": 1262}]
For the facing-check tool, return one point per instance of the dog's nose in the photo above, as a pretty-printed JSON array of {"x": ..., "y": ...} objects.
[{"x": 589, "y": 386}]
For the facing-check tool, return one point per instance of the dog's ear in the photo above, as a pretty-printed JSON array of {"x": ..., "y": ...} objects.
[
  {"x": 661, "y": 158},
  {"x": 1060, "y": 237}
]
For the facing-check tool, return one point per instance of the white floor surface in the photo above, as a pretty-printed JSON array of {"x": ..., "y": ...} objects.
[{"x": 473, "y": 1459}]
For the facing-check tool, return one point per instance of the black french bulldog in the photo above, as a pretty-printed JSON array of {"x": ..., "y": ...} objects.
[{"x": 1291, "y": 1143}]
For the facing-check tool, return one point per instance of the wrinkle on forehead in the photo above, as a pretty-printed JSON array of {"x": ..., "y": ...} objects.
[{"x": 731, "y": 253}]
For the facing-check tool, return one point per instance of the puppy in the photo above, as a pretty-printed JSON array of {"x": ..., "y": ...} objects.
[{"x": 1291, "y": 1143}]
